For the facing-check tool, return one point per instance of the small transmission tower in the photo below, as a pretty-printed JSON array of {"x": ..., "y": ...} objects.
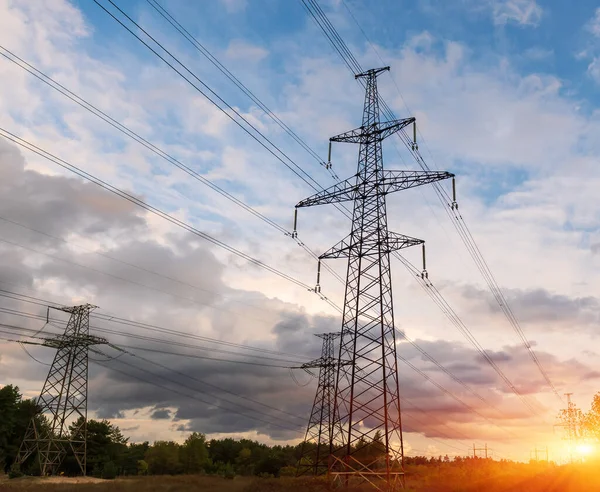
[
  {"x": 570, "y": 420},
  {"x": 319, "y": 432},
  {"x": 63, "y": 398},
  {"x": 367, "y": 432}
]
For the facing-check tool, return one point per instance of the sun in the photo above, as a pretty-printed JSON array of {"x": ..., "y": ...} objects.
[{"x": 585, "y": 449}]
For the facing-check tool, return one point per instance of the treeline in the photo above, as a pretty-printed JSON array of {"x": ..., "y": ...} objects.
[{"x": 110, "y": 454}]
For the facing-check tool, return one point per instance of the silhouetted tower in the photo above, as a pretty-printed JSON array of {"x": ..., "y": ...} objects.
[
  {"x": 63, "y": 400},
  {"x": 536, "y": 452},
  {"x": 483, "y": 450},
  {"x": 317, "y": 444},
  {"x": 571, "y": 417},
  {"x": 367, "y": 407}
]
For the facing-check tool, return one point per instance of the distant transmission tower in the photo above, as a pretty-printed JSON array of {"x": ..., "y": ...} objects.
[
  {"x": 367, "y": 432},
  {"x": 317, "y": 445},
  {"x": 483, "y": 450},
  {"x": 570, "y": 422},
  {"x": 63, "y": 399}
]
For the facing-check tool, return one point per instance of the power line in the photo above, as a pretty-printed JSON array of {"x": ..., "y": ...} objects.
[
  {"x": 111, "y": 2},
  {"x": 43, "y": 77},
  {"x": 142, "y": 204},
  {"x": 158, "y": 329},
  {"x": 202, "y": 400},
  {"x": 239, "y": 84},
  {"x": 178, "y": 354},
  {"x": 465, "y": 233},
  {"x": 202, "y": 381},
  {"x": 258, "y": 136},
  {"x": 350, "y": 60},
  {"x": 157, "y": 340}
]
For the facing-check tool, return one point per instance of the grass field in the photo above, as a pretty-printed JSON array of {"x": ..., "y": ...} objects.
[{"x": 445, "y": 478}]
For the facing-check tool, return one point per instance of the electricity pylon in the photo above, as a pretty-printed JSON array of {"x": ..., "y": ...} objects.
[
  {"x": 367, "y": 400},
  {"x": 483, "y": 450},
  {"x": 63, "y": 400},
  {"x": 319, "y": 432},
  {"x": 571, "y": 418}
]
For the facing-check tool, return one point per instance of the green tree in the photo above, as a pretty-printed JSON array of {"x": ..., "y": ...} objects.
[
  {"x": 194, "y": 454},
  {"x": 15, "y": 415},
  {"x": 109, "y": 470},
  {"x": 105, "y": 443},
  {"x": 163, "y": 458},
  {"x": 244, "y": 462},
  {"x": 131, "y": 458},
  {"x": 142, "y": 467}
]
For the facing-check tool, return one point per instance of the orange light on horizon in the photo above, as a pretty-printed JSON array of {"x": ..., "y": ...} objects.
[{"x": 585, "y": 449}]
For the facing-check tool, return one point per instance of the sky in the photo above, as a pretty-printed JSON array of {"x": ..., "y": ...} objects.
[{"x": 505, "y": 93}]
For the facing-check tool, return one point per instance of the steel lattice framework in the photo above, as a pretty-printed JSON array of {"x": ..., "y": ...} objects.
[
  {"x": 317, "y": 445},
  {"x": 63, "y": 399},
  {"x": 366, "y": 429}
]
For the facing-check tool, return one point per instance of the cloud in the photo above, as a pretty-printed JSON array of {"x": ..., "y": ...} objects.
[
  {"x": 239, "y": 50},
  {"x": 522, "y": 12},
  {"x": 234, "y": 6},
  {"x": 538, "y": 53},
  {"x": 593, "y": 25},
  {"x": 593, "y": 69},
  {"x": 161, "y": 413},
  {"x": 540, "y": 307}
]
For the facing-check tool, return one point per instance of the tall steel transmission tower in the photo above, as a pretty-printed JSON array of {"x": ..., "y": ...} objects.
[
  {"x": 367, "y": 432},
  {"x": 63, "y": 400},
  {"x": 317, "y": 445}
]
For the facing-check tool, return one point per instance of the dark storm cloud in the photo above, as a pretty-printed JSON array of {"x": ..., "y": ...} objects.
[
  {"x": 161, "y": 414},
  {"x": 538, "y": 306},
  {"x": 59, "y": 205}
]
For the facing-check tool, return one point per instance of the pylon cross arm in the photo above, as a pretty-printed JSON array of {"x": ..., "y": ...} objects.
[
  {"x": 392, "y": 181},
  {"x": 387, "y": 182},
  {"x": 66, "y": 341},
  {"x": 372, "y": 246},
  {"x": 377, "y": 131}
]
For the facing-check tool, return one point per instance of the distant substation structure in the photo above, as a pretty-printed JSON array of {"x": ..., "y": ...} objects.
[
  {"x": 366, "y": 431},
  {"x": 63, "y": 399}
]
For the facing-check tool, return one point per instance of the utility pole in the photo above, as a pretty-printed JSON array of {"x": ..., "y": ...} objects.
[
  {"x": 484, "y": 449},
  {"x": 367, "y": 399},
  {"x": 63, "y": 399},
  {"x": 319, "y": 431}
]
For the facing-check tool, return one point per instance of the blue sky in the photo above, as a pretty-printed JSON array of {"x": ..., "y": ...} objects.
[{"x": 505, "y": 94}]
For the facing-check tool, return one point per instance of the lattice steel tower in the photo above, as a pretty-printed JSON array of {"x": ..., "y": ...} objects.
[
  {"x": 317, "y": 445},
  {"x": 63, "y": 399},
  {"x": 367, "y": 433}
]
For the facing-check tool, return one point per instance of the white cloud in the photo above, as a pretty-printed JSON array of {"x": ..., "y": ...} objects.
[
  {"x": 538, "y": 53},
  {"x": 234, "y": 6},
  {"x": 593, "y": 25},
  {"x": 240, "y": 50},
  {"x": 523, "y": 12},
  {"x": 593, "y": 69}
]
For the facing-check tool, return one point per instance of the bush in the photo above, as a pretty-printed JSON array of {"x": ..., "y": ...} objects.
[
  {"x": 142, "y": 467},
  {"x": 226, "y": 471},
  {"x": 15, "y": 471},
  {"x": 109, "y": 471}
]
